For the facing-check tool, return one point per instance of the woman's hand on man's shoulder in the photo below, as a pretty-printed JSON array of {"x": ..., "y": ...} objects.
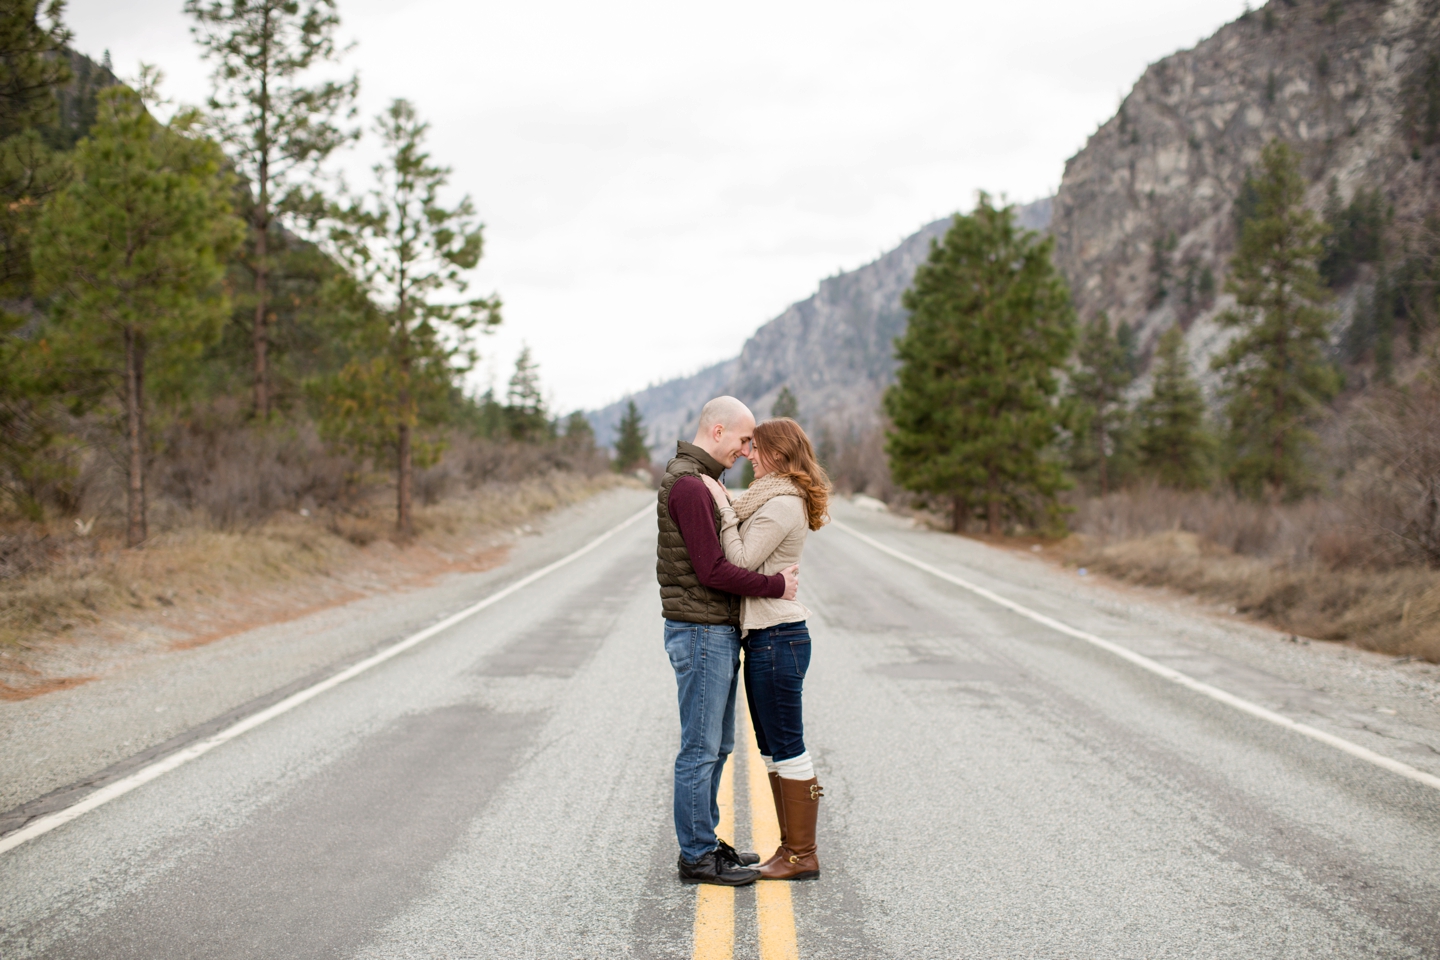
[{"x": 719, "y": 493}]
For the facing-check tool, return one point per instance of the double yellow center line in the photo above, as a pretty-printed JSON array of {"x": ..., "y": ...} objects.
[{"x": 715, "y": 906}]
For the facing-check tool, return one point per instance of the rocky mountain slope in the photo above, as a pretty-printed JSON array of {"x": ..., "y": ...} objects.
[
  {"x": 833, "y": 350},
  {"x": 1145, "y": 216}
]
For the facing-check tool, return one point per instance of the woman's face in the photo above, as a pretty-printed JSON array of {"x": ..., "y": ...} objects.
[{"x": 761, "y": 465}]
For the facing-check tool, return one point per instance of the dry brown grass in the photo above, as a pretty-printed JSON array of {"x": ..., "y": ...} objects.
[
  {"x": 1311, "y": 569},
  {"x": 209, "y": 581}
]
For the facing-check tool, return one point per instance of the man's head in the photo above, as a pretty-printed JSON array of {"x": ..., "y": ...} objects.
[{"x": 727, "y": 428}]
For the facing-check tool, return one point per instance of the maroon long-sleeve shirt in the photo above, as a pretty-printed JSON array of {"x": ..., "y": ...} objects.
[{"x": 693, "y": 511}]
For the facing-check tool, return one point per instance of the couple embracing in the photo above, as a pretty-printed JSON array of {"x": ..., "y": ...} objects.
[{"x": 729, "y": 574}]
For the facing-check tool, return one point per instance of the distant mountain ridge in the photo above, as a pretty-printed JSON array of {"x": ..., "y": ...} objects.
[
  {"x": 834, "y": 350},
  {"x": 1144, "y": 218}
]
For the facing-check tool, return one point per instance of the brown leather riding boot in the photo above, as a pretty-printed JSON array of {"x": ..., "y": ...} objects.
[
  {"x": 796, "y": 859},
  {"x": 780, "y": 852}
]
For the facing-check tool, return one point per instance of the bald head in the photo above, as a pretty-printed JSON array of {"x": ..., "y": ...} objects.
[{"x": 726, "y": 430}]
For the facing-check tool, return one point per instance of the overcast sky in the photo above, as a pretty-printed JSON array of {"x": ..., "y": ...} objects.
[{"x": 659, "y": 179}]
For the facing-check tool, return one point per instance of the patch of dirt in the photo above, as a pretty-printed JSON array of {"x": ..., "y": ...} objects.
[{"x": 77, "y": 621}]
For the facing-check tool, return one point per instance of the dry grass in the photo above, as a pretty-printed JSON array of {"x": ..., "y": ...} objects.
[
  {"x": 1311, "y": 569},
  {"x": 208, "y": 581}
]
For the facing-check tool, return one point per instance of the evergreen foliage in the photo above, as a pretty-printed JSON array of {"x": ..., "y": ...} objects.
[
  {"x": 525, "y": 406},
  {"x": 973, "y": 407},
  {"x": 785, "y": 405},
  {"x": 578, "y": 429},
  {"x": 132, "y": 251},
  {"x": 1129, "y": 343},
  {"x": 631, "y": 450},
  {"x": 32, "y": 378},
  {"x": 1162, "y": 269},
  {"x": 1275, "y": 372},
  {"x": 277, "y": 128},
  {"x": 1174, "y": 446},
  {"x": 1355, "y": 236},
  {"x": 1095, "y": 412},
  {"x": 408, "y": 257},
  {"x": 32, "y": 68}
]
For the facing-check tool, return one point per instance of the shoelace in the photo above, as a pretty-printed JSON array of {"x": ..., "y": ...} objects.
[{"x": 728, "y": 853}]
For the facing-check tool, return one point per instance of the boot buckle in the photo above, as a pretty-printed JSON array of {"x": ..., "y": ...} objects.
[
  {"x": 794, "y": 859},
  {"x": 816, "y": 791}
]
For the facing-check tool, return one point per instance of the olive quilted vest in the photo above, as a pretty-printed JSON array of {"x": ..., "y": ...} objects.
[{"x": 682, "y": 595}]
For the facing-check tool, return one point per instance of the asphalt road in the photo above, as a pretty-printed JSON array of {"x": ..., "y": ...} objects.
[{"x": 994, "y": 788}]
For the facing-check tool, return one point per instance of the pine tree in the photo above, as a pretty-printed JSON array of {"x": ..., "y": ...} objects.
[
  {"x": 1175, "y": 447},
  {"x": 277, "y": 128},
  {"x": 1129, "y": 342},
  {"x": 132, "y": 253},
  {"x": 32, "y": 382},
  {"x": 525, "y": 406},
  {"x": 785, "y": 405},
  {"x": 1275, "y": 373},
  {"x": 410, "y": 255},
  {"x": 1095, "y": 403},
  {"x": 32, "y": 37},
  {"x": 973, "y": 407},
  {"x": 631, "y": 451},
  {"x": 578, "y": 432}
]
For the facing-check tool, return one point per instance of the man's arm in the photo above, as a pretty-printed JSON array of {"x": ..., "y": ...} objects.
[{"x": 690, "y": 508}]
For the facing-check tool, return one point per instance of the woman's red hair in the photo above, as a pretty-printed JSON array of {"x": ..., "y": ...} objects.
[{"x": 789, "y": 452}]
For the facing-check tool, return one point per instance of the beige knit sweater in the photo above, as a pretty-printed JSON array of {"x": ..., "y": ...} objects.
[{"x": 767, "y": 541}]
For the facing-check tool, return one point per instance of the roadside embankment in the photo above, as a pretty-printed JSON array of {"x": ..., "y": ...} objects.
[
  {"x": 1315, "y": 569},
  {"x": 76, "y": 604}
]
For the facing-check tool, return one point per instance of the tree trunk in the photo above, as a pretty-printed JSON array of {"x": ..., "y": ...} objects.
[
  {"x": 958, "y": 509},
  {"x": 262, "y": 309},
  {"x": 405, "y": 483},
  {"x": 135, "y": 531},
  {"x": 992, "y": 506},
  {"x": 1101, "y": 460}
]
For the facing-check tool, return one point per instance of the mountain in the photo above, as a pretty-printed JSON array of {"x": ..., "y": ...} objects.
[
  {"x": 1147, "y": 208},
  {"x": 1145, "y": 218},
  {"x": 833, "y": 350}
]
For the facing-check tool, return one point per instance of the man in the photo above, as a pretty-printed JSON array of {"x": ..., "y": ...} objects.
[{"x": 700, "y": 597}]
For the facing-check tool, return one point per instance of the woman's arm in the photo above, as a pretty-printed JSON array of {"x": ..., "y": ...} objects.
[{"x": 765, "y": 531}]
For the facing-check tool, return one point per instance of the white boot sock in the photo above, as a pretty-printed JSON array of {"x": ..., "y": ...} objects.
[
  {"x": 769, "y": 764},
  {"x": 796, "y": 768}
]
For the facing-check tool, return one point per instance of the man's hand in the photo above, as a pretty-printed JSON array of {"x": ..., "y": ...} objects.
[
  {"x": 792, "y": 580},
  {"x": 721, "y": 495}
]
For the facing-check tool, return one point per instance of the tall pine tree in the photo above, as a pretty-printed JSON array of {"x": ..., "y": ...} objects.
[
  {"x": 1275, "y": 372},
  {"x": 973, "y": 407},
  {"x": 132, "y": 252},
  {"x": 631, "y": 451},
  {"x": 1095, "y": 403},
  {"x": 525, "y": 405},
  {"x": 1175, "y": 447},
  {"x": 32, "y": 68},
  {"x": 411, "y": 255},
  {"x": 785, "y": 405},
  {"x": 277, "y": 128}
]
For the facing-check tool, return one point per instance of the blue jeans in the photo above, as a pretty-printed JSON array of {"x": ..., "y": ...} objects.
[
  {"x": 776, "y": 659},
  {"x": 706, "y": 660}
]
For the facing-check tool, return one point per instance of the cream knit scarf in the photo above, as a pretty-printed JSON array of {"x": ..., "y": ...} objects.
[{"x": 767, "y": 487}]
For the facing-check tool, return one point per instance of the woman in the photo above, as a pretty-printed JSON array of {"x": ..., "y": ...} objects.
[{"x": 764, "y": 530}]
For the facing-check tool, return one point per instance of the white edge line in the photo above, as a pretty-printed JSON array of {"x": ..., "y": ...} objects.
[
  {"x": 1145, "y": 663},
  {"x": 145, "y": 774}
]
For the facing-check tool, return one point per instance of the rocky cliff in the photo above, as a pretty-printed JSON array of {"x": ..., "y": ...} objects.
[{"x": 1145, "y": 219}]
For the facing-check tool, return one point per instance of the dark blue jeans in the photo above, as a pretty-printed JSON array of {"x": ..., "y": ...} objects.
[
  {"x": 706, "y": 661},
  {"x": 776, "y": 659}
]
